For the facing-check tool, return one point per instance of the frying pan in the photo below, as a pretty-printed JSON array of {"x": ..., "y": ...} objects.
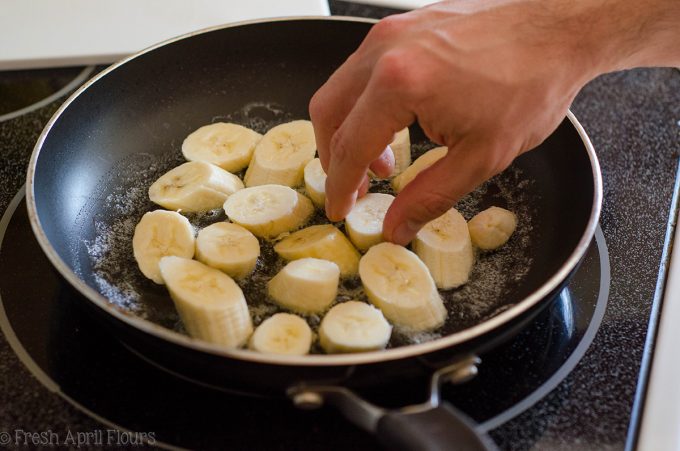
[{"x": 125, "y": 127}]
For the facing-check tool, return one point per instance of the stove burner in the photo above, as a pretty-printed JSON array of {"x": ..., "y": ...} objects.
[
  {"x": 41, "y": 318},
  {"x": 28, "y": 90}
]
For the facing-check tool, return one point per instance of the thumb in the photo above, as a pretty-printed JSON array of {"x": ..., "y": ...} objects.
[{"x": 436, "y": 189}]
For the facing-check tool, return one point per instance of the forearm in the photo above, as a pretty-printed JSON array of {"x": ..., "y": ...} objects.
[
  {"x": 489, "y": 79},
  {"x": 624, "y": 34}
]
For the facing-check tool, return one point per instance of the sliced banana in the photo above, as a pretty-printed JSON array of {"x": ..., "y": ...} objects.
[
  {"x": 401, "y": 148},
  {"x": 210, "y": 304},
  {"x": 194, "y": 186},
  {"x": 158, "y": 234},
  {"x": 354, "y": 326},
  {"x": 423, "y": 162},
  {"x": 229, "y": 248},
  {"x": 365, "y": 222},
  {"x": 282, "y": 333},
  {"x": 398, "y": 283},
  {"x": 268, "y": 210},
  {"x": 315, "y": 182},
  {"x": 321, "y": 241},
  {"x": 229, "y": 146},
  {"x": 444, "y": 246},
  {"x": 492, "y": 228},
  {"x": 307, "y": 285},
  {"x": 281, "y": 155}
]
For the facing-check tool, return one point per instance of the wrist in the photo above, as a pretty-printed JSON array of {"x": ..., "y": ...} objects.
[{"x": 623, "y": 34}]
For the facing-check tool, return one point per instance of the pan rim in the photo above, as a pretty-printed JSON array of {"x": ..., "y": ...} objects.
[{"x": 317, "y": 360}]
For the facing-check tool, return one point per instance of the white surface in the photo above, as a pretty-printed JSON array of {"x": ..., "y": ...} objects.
[
  {"x": 400, "y": 4},
  {"x": 660, "y": 430},
  {"x": 49, "y": 33}
]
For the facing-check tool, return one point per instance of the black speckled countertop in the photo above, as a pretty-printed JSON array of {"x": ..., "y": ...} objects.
[{"x": 633, "y": 120}]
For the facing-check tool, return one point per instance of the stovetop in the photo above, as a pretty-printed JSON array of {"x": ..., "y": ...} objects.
[
  {"x": 66, "y": 351},
  {"x": 633, "y": 120}
]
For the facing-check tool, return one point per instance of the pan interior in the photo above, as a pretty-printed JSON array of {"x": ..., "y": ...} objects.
[{"x": 126, "y": 129}]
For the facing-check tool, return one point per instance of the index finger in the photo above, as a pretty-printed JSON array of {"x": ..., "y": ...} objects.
[
  {"x": 363, "y": 136},
  {"x": 333, "y": 101}
]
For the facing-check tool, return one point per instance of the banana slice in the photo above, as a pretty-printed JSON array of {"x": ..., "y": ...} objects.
[
  {"x": 282, "y": 333},
  {"x": 423, "y": 162},
  {"x": 210, "y": 304},
  {"x": 194, "y": 186},
  {"x": 268, "y": 210},
  {"x": 399, "y": 284},
  {"x": 315, "y": 182},
  {"x": 492, "y": 228},
  {"x": 354, "y": 326},
  {"x": 321, "y": 241},
  {"x": 365, "y": 222},
  {"x": 444, "y": 246},
  {"x": 229, "y": 146},
  {"x": 281, "y": 155},
  {"x": 158, "y": 234},
  {"x": 401, "y": 148},
  {"x": 307, "y": 285},
  {"x": 229, "y": 248}
]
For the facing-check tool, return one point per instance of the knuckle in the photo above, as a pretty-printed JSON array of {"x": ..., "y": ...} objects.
[
  {"x": 317, "y": 110},
  {"x": 386, "y": 28},
  {"x": 395, "y": 72},
  {"x": 349, "y": 155},
  {"x": 339, "y": 147}
]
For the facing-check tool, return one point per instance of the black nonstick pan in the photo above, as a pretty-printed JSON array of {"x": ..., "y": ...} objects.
[{"x": 95, "y": 159}]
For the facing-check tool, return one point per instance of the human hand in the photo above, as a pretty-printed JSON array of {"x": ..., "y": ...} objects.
[{"x": 488, "y": 79}]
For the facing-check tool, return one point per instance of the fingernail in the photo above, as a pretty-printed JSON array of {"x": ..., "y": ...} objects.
[
  {"x": 327, "y": 207},
  {"x": 331, "y": 212},
  {"x": 405, "y": 232}
]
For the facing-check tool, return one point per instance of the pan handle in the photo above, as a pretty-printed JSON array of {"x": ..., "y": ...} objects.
[
  {"x": 431, "y": 426},
  {"x": 437, "y": 429}
]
